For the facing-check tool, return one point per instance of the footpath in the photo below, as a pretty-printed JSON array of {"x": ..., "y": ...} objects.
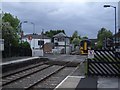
[{"x": 78, "y": 81}]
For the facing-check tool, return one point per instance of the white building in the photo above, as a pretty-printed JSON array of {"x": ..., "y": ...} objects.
[
  {"x": 62, "y": 43},
  {"x": 36, "y": 40}
]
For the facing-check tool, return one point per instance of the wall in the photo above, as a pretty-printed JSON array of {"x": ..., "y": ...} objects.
[
  {"x": 58, "y": 50},
  {"x": 37, "y": 53}
]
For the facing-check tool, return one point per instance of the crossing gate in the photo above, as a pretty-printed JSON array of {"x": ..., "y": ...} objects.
[{"x": 104, "y": 63}]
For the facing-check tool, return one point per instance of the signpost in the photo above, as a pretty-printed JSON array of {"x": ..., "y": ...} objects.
[
  {"x": 90, "y": 54},
  {"x": 30, "y": 38}
]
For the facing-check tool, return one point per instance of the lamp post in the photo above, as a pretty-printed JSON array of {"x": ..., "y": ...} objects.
[
  {"x": 21, "y": 34},
  {"x": 33, "y": 27},
  {"x": 20, "y": 26},
  {"x": 115, "y": 20},
  {"x": 30, "y": 23},
  {"x": 22, "y": 31},
  {"x": 65, "y": 44},
  {"x": 33, "y": 32},
  {"x": 43, "y": 39}
]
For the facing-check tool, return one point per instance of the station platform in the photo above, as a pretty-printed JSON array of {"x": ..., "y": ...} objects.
[
  {"x": 18, "y": 60},
  {"x": 89, "y": 83}
]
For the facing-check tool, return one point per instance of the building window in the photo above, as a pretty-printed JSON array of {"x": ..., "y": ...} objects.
[
  {"x": 61, "y": 39},
  {"x": 40, "y": 42},
  {"x": 56, "y": 39}
]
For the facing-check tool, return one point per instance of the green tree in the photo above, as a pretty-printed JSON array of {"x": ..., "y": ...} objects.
[
  {"x": 14, "y": 21},
  {"x": 75, "y": 36},
  {"x": 76, "y": 41},
  {"x": 25, "y": 44},
  {"x": 9, "y": 29},
  {"x": 51, "y": 33},
  {"x": 9, "y": 35},
  {"x": 85, "y": 37},
  {"x": 102, "y": 34}
]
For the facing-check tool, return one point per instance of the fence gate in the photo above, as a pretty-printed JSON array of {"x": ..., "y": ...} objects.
[{"x": 105, "y": 63}]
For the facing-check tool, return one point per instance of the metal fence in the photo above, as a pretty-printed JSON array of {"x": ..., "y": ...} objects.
[
  {"x": 105, "y": 63},
  {"x": 12, "y": 51}
]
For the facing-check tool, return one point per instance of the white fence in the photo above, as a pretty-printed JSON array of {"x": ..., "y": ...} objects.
[{"x": 37, "y": 53}]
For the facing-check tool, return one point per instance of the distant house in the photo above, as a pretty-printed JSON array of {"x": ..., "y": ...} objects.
[
  {"x": 62, "y": 42},
  {"x": 117, "y": 40},
  {"x": 35, "y": 40}
]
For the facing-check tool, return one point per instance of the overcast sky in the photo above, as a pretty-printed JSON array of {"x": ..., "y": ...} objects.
[{"x": 86, "y": 17}]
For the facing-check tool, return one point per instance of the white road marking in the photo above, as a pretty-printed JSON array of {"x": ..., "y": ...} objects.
[
  {"x": 72, "y": 84},
  {"x": 61, "y": 83},
  {"x": 20, "y": 60}
]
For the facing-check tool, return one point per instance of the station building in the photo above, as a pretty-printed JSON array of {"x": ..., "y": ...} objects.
[
  {"x": 62, "y": 42},
  {"x": 35, "y": 40}
]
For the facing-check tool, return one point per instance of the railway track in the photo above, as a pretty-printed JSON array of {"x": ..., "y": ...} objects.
[
  {"x": 52, "y": 81},
  {"x": 23, "y": 69},
  {"x": 12, "y": 77},
  {"x": 32, "y": 77}
]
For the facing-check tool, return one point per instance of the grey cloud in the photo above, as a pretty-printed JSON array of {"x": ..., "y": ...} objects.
[{"x": 87, "y": 18}]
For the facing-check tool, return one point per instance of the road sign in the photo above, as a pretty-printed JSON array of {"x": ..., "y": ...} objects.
[
  {"x": 91, "y": 54},
  {"x": 29, "y": 37}
]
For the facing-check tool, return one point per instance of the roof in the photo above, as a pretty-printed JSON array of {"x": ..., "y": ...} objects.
[
  {"x": 93, "y": 40},
  {"x": 60, "y": 35},
  {"x": 36, "y": 36},
  {"x": 117, "y": 35}
]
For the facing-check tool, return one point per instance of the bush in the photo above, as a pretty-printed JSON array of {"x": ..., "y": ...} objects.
[
  {"x": 24, "y": 44},
  {"x": 21, "y": 50}
]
